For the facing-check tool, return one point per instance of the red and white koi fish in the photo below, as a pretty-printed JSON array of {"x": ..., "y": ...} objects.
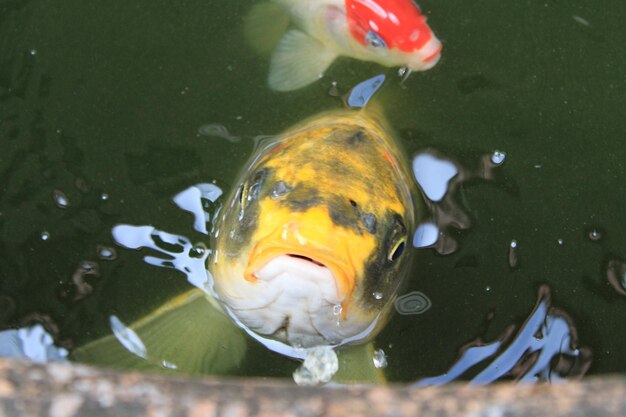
[{"x": 309, "y": 35}]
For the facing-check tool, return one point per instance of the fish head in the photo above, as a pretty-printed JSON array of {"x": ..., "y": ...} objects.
[
  {"x": 311, "y": 247},
  {"x": 393, "y": 32}
]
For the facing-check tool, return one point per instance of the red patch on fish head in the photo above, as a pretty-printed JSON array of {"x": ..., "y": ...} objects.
[{"x": 399, "y": 23}]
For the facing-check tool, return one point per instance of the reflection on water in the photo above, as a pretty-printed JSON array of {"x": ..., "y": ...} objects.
[
  {"x": 544, "y": 349},
  {"x": 414, "y": 302},
  {"x": 439, "y": 178},
  {"x": 33, "y": 343},
  {"x": 616, "y": 274}
]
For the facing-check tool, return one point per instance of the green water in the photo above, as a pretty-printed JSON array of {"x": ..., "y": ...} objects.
[{"x": 106, "y": 98}]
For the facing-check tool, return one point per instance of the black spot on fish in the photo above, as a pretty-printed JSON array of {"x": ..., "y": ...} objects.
[
  {"x": 302, "y": 199},
  {"x": 343, "y": 214},
  {"x": 356, "y": 138}
]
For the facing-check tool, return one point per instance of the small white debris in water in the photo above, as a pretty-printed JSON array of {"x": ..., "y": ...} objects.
[
  {"x": 104, "y": 197},
  {"x": 319, "y": 366},
  {"x": 537, "y": 166},
  {"x": 560, "y": 242},
  {"x": 487, "y": 288},
  {"x": 513, "y": 244},
  {"x": 401, "y": 71},
  {"x": 497, "y": 157},
  {"x": 45, "y": 235},
  {"x": 378, "y": 295},
  {"x": 380, "y": 359},
  {"x": 581, "y": 20},
  {"x": 33, "y": 52},
  {"x": 337, "y": 309}
]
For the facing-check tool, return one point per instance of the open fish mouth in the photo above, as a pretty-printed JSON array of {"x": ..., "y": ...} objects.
[{"x": 304, "y": 305}]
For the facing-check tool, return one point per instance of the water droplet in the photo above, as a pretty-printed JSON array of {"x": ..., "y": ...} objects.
[
  {"x": 497, "y": 157},
  {"x": 378, "y": 295},
  {"x": 106, "y": 253},
  {"x": 104, "y": 197},
  {"x": 337, "y": 309},
  {"x": 513, "y": 261},
  {"x": 60, "y": 199},
  {"x": 45, "y": 235},
  {"x": 487, "y": 288},
  {"x": 379, "y": 358}
]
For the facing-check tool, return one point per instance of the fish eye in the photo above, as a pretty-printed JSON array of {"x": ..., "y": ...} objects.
[
  {"x": 374, "y": 40},
  {"x": 397, "y": 249}
]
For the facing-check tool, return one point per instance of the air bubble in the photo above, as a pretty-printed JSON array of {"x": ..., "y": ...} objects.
[
  {"x": 497, "y": 157},
  {"x": 560, "y": 242},
  {"x": 33, "y": 52},
  {"x": 377, "y": 295},
  {"x": 106, "y": 253},
  {"x": 60, "y": 199},
  {"x": 320, "y": 364},
  {"x": 104, "y": 197},
  {"x": 45, "y": 235},
  {"x": 594, "y": 235},
  {"x": 379, "y": 358}
]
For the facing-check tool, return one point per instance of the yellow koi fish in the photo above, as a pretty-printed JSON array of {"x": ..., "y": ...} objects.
[{"x": 309, "y": 248}]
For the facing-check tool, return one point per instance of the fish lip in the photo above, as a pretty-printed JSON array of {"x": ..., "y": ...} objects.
[{"x": 261, "y": 257}]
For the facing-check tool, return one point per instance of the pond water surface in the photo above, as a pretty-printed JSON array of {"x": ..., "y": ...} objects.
[{"x": 104, "y": 114}]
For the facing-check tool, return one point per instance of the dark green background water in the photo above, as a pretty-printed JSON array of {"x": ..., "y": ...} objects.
[{"x": 107, "y": 97}]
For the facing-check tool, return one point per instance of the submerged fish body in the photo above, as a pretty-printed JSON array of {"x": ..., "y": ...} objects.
[
  {"x": 310, "y": 34},
  {"x": 309, "y": 247}
]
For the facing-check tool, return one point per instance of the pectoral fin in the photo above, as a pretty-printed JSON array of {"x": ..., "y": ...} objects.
[
  {"x": 188, "y": 335},
  {"x": 298, "y": 60},
  {"x": 264, "y": 25}
]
